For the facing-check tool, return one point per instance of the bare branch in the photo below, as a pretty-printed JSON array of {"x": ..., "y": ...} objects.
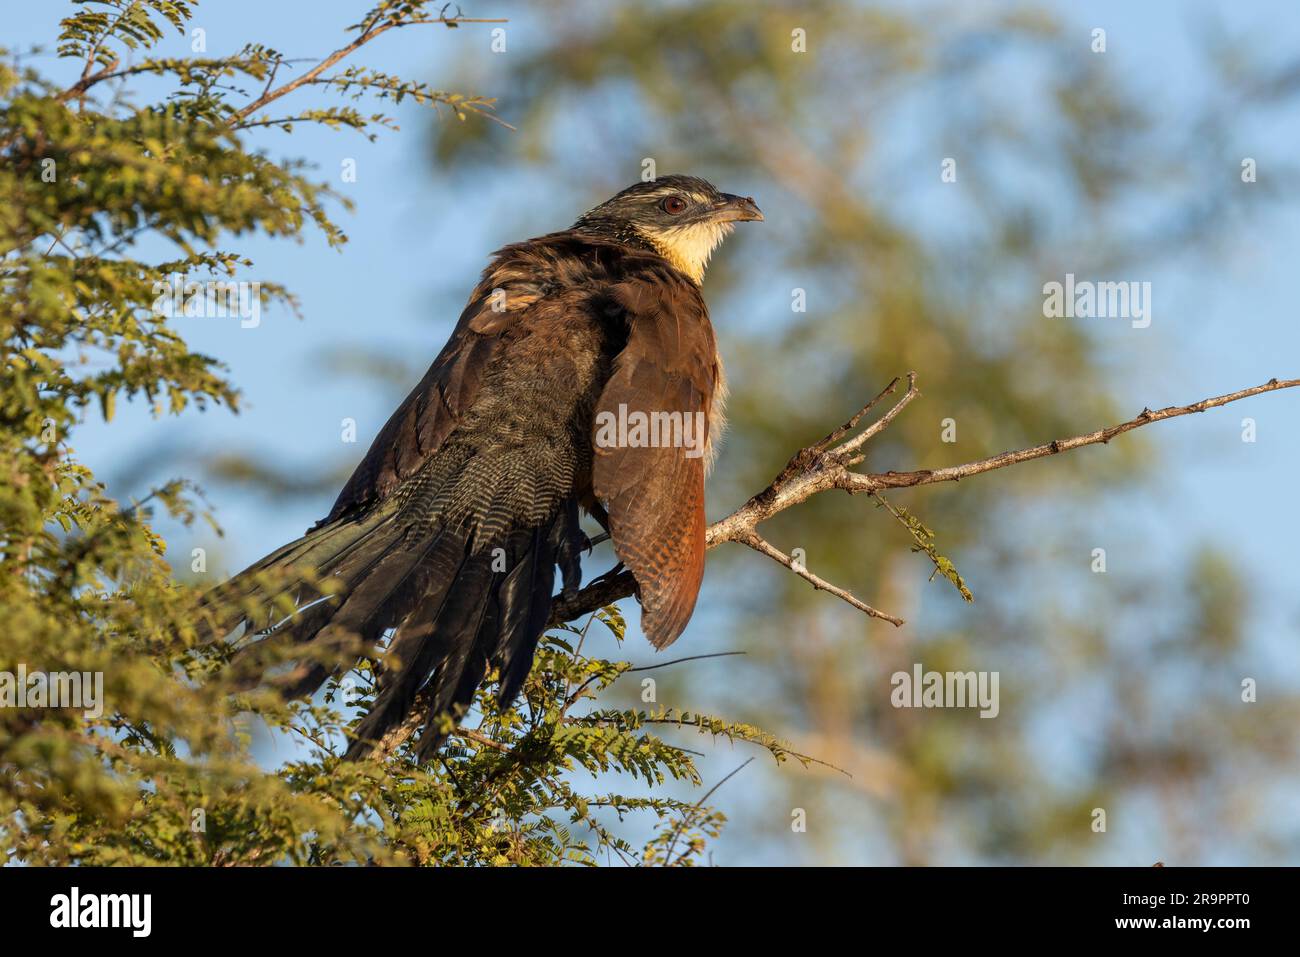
[
  {"x": 866, "y": 483},
  {"x": 823, "y": 466},
  {"x": 846, "y": 450},
  {"x": 760, "y": 544},
  {"x": 689, "y": 815},
  {"x": 596, "y": 595},
  {"x": 852, "y": 424},
  {"x": 678, "y": 661}
]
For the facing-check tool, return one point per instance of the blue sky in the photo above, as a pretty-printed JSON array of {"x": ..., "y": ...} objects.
[{"x": 417, "y": 240}]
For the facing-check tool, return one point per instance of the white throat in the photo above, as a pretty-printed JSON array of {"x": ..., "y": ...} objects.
[{"x": 689, "y": 246}]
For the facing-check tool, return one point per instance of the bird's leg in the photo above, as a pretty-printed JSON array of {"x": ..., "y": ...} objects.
[
  {"x": 597, "y": 511},
  {"x": 618, "y": 567}
]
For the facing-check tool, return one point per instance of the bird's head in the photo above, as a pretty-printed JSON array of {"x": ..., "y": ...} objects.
[{"x": 682, "y": 218}]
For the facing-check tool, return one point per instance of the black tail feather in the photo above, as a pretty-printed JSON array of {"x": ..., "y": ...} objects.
[
  {"x": 484, "y": 614},
  {"x": 460, "y": 603}
]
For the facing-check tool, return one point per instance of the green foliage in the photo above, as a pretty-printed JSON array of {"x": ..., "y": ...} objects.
[
  {"x": 923, "y": 541},
  {"x": 504, "y": 792},
  {"x": 164, "y": 774}
]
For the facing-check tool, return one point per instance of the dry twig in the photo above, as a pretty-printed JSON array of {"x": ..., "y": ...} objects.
[{"x": 826, "y": 465}]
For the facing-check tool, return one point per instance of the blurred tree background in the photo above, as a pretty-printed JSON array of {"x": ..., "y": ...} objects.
[{"x": 1120, "y": 691}]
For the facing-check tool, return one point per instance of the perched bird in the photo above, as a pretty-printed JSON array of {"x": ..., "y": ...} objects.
[{"x": 541, "y": 404}]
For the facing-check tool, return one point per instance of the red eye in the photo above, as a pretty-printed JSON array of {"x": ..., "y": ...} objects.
[{"x": 673, "y": 204}]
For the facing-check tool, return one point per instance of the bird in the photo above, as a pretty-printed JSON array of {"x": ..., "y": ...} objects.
[{"x": 449, "y": 533}]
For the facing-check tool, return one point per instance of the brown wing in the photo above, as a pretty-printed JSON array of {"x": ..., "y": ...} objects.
[
  {"x": 655, "y": 494},
  {"x": 429, "y": 414}
]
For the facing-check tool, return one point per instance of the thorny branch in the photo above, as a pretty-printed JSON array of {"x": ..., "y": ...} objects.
[{"x": 826, "y": 465}]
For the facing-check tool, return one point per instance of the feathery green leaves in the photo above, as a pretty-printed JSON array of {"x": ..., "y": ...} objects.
[{"x": 159, "y": 769}]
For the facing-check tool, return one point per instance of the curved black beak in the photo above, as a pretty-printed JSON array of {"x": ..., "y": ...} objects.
[{"x": 734, "y": 208}]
